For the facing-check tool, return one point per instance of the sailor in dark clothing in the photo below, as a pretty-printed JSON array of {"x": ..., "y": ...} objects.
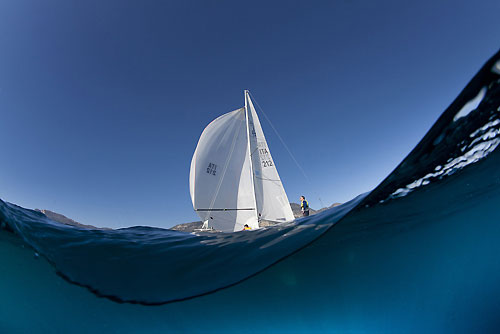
[{"x": 304, "y": 206}]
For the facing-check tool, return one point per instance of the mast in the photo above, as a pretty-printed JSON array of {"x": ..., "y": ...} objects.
[{"x": 250, "y": 156}]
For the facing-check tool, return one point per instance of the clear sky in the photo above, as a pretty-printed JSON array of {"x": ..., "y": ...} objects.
[{"x": 102, "y": 102}]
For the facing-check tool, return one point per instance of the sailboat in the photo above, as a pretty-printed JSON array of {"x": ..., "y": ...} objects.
[{"x": 233, "y": 179}]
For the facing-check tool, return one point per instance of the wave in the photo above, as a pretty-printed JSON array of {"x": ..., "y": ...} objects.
[
  {"x": 143, "y": 264},
  {"x": 417, "y": 253}
]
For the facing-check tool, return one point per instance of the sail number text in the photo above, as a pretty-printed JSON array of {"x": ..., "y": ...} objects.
[
  {"x": 212, "y": 168},
  {"x": 267, "y": 163},
  {"x": 265, "y": 157},
  {"x": 263, "y": 151}
]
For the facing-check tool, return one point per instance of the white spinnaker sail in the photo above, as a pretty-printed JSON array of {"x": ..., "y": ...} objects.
[
  {"x": 272, "y": 202},
  {"x": 220, "y": 179}
]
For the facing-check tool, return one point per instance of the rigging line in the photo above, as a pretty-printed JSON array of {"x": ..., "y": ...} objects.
[
  {"x": 286, "y": 147},
  {"x": 266, "y": 179},
  {"x": 254, "y": 151}
]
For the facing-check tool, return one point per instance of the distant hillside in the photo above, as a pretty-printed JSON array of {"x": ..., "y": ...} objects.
[
  {"x": 328, "y": 207},
  {"x": 66, "y": 221},
  {"x": 186, "y": 227}
]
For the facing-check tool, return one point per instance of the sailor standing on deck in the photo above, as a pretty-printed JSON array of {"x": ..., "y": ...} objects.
[{"x": 304, "y": 206}]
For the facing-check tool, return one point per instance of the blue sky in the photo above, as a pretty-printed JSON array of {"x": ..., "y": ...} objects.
[{"x": 102, "y": 102}]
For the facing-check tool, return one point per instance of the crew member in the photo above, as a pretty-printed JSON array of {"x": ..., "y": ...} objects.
[
  {"x": 304, "y": 206},
  {"x": 246, "y": 227}
]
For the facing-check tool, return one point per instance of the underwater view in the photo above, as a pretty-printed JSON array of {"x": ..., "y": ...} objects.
[{"x": 418, "y": 254}]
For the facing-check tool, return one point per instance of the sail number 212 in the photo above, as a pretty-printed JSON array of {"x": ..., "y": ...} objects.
[{"x": 267, "y": 163}]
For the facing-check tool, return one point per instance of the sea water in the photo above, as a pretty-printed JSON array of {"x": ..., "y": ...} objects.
[{"x": 417, "y": 254}]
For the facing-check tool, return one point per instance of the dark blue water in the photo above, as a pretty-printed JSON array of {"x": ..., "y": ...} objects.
[{"x": 420, "y": 253}]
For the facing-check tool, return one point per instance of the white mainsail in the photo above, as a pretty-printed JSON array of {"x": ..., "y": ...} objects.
[{"x": 233, "y": 179}]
